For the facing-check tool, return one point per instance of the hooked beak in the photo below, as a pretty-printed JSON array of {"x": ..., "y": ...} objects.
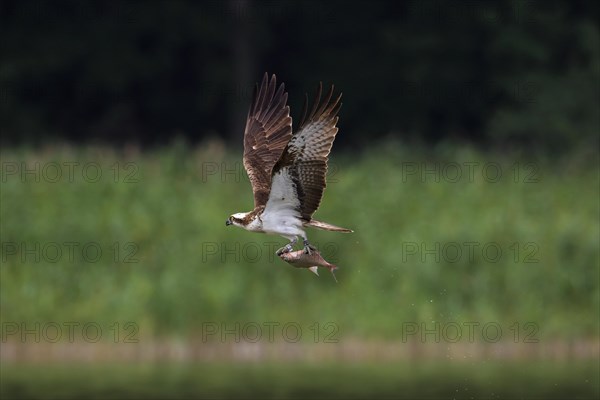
[{"x": 228, "y": 222}]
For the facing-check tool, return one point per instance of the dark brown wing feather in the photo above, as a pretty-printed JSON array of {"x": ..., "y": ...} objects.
[
  {"x": 307, "y": 152},
  {"x": 268, "y": 131}
]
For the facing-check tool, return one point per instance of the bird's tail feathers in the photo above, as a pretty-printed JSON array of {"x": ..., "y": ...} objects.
[{"x": 327, "y": 227}]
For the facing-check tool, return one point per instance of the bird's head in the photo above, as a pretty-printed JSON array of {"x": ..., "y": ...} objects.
[{"x": 236, "y": 219}]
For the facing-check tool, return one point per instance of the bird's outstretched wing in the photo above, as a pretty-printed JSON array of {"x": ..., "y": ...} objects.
[
  {"x": 268, "y": 131},
  {"x": 306, "y": 154}
]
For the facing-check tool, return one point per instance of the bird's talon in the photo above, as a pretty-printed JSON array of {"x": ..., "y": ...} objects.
[
  {"x": 285, "y": 249},
  {"x": 309, "y": 248}
]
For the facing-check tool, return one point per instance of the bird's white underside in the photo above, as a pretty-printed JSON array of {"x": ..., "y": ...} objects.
[{"x": 280, "y": 216}]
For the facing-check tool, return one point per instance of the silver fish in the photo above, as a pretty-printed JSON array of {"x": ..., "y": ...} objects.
[{"x": 300, "y": 259}]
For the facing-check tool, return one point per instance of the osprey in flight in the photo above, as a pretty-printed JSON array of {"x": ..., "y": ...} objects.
[{"x": 287, "y": 170}]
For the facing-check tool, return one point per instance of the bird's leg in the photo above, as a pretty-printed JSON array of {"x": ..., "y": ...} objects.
[
  {"x": 308, "y": 248},
  {"x": 287, "y": 248}
]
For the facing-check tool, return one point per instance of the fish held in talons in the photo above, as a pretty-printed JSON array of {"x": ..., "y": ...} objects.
[{"x": 300, "y": 259}]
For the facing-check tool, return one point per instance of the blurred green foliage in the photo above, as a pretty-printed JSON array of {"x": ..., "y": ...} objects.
[
  {"x": 299, "y": 381},
  {"x": 169, "y": 264}
]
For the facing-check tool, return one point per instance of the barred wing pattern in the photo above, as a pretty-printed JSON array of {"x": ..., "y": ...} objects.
[
  {"x": 268, "y": 131},
  {"x": 306, "y": 155}
]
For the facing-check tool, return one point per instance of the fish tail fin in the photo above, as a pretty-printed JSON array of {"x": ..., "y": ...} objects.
[{"x": 332, "y": 268}]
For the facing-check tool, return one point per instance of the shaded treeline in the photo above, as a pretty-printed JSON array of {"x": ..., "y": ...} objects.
[{"x": 515, "y": 71}]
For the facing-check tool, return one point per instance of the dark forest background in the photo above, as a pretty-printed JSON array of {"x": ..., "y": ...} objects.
[{"x": 493, "y": 73}]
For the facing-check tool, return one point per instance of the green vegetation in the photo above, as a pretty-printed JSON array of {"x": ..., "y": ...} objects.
[
  {"x": 273, "y": 381},
  {"x": 164, "y": 212}
]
